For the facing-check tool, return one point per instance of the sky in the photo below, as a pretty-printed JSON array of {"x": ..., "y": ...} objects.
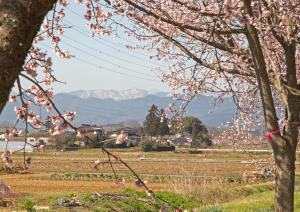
[{"x": 102, "y": 62}]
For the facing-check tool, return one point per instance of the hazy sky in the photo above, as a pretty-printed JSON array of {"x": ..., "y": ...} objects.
[{"x": 97, "y": 60}]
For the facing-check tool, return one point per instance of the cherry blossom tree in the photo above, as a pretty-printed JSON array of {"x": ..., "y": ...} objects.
[{"x": 248, "y": 48}]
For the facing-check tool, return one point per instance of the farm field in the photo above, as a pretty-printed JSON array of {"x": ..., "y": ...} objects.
[{"x": 211, "y": 181}]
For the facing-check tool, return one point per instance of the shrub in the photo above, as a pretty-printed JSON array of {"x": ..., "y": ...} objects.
[
  {"x": 203, "y": 140},
  {"x": 112, "y": 144},
  {"x": 163, "y": 148},
  {"x": 148, "y": 146}
]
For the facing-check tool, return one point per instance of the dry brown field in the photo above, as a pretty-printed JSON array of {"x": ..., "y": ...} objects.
[
  {"x": 72, "y": 171},
  {"x": 211, "y": 181}
]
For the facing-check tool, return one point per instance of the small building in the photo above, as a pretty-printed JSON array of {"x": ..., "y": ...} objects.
[
  {"x": 96, "y": 130},
  {"x": 111, "y": 128},
  {"x": 135, "y": 139},
  {"x": 90, "y": 130},
  {"x": 40, "y": 136},
  {"x": 44, "y": 140},
  {"x": 181, "y": 142}
]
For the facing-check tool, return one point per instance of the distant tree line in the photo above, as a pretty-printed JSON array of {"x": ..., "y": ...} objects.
[{"x": 157, "y": 124}]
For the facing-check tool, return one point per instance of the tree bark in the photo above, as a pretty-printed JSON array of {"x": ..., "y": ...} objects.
[
  {"x": 285, "y": 176},
  {"x": 20, "y": 21}
]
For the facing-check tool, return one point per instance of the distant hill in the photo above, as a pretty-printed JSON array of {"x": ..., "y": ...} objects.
[{"x": 107, "y": 111}]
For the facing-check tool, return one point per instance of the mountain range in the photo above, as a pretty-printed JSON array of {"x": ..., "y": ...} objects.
[
  {"x": 111, "y": 106},
  {"x": 117, "y": 94}
]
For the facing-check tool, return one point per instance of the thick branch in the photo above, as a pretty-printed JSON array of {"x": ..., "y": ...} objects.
[
  {"x": 261, "y": 73},
  {"x": 20, "y": 22}
]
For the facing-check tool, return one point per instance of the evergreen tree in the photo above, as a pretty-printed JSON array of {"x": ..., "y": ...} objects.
[
  {"x": 151, "y": 123},
  {"x": 193, "y": 126},
  {"x": 163, "y": 128},
  {"x": 195, "y": 130}
]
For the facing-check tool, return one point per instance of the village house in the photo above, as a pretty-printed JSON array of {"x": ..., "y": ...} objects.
[
  {"x": 98, "y": 131},
  {"x": 181, "y": 141},
  {"x": 133, "y": 139},
  {"x": 39, "y": 136}
]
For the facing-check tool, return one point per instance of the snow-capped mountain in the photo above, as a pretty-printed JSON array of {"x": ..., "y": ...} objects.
[{"x": 117, "y": 94}]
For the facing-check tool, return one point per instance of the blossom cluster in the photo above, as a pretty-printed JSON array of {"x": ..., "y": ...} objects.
[
  {"x": 7, "y": 159},
  {"x": 60, "y": 123},
  {"x": 121, "y": 138}
]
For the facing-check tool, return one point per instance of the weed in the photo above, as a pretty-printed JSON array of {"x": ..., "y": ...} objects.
[
  {"x": 28, "y": 205},
  {"x": 72, "y": 195},
  {"x": 203, "y": 189},
  {"x": 87, "y": 197}
]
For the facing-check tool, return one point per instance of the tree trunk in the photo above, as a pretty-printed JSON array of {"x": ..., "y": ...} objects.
[
  {"x": 284, "y": 148},
  {"x": 20, "y": 21},
  {"x": 285, "y": 157}
]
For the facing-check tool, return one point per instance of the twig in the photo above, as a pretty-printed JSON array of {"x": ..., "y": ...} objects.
[
  {"x": 112, "y": 168},
  {"x": 17, "y": 121},
  {"x": 26, "y": 122}
]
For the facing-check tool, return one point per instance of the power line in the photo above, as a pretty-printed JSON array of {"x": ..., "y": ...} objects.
[
  {"x": 83, "y": 31},
  {"x": 99, "y": 58},
  {"x": 79, "y": 30},
  {"x": 111, "y": 70},
  {"x": 106, "y": 69},
  {"x": 96, "y": 50},
  {"x": 105, "y": 53}
]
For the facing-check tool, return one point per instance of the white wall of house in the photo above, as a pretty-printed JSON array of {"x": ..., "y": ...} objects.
[{"x": 43, "y": 139}]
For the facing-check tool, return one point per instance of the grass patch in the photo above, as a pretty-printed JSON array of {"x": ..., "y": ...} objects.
[
  {"x": 258, "y": 198},
  {"x": 128, "y": 201},
  {"x": 261, "y": 200},
  {"x": 247, "y": 190},
  {"x": 177, "y": 200}
]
